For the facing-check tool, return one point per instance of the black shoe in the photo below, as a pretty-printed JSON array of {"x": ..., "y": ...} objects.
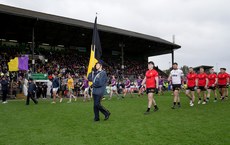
[
  {"x": 107, "y": 116},
  {"x": 173, "y": 107},
  {"x": 95, "y": 120},
  {"x": 179, "y": 106},
  {"x": 156, "y": 109},
  {"x": 147, "y": 112}
]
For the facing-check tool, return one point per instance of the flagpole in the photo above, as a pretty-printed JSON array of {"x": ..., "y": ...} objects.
[
  {"x": 94, "y": 49},
  {"x": 93, "y": 62}
]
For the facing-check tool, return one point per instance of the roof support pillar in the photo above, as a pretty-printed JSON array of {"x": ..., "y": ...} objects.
[
  {"x": 33, "y": 61},
  {"x": 122, "y": 56}
]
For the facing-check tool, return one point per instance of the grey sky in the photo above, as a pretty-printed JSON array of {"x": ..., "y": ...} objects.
[{"x": 201, "y": 27}]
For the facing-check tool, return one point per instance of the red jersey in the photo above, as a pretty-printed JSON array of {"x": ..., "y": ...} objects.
[
  {"x": 191, "y": 77},
  {"x": 212, "y": 79},
  {"x": 222, "y": 78},
  {"x": 150, "y": 78},
  {"x": 202, "y": 79}
]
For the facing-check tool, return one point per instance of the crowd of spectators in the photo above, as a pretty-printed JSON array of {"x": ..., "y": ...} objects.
[
  {"x": 64, "y": 61},
  {"x": 68, "y": 61}
]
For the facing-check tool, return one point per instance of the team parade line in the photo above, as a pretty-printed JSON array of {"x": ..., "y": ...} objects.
[{"x": 202, "y": 83}]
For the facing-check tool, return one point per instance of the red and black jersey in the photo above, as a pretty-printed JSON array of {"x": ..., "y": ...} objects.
[
  {"x": 202, "y": 79},
  {"x": 150, "y": 78},
  {"x": 211, "y": 79},
  {"x": 191, "y": 79},
  {"x": 222, "y": 78}
]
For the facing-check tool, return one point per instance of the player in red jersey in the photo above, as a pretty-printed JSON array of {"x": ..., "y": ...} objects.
[
  {"x": 202, "y": 84},
  {"x": 223, "y": 81},
  {"x": 227, "y": 86},
  {"x": 212, "y": 82},
  {"x": 151, "y": 81},
  {"x": 226, "y": 92},
  {"x": 191, "y": 83}
]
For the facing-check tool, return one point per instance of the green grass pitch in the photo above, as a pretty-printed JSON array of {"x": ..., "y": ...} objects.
[{"x": 72, "y": 124}]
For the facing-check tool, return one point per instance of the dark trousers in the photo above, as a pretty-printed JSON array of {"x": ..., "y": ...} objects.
[
  {"x": 31, "y": 95},
  {"x": 15, "y": 93},
  {"x": 98, "y": 107},
  {"x": 38, "y": 94},
  {"x": 4, "y": 95},
  {"x": 44, "y": 94}
]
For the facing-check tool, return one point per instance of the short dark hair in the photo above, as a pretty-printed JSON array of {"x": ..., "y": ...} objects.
[
  {"x": 100, "y": 62},
  {"x": 175, "y": 63},
  {"x": 223, "y": 68},
  {"x": 151, "y": 62}
]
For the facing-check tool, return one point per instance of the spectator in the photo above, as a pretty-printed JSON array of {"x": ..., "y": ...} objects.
[{"x": 5, "y": 85}]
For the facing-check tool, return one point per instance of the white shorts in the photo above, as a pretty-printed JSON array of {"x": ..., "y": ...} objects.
[
  {"x": 55, "y": 89},
  {"x": 86, "y": 89},
  {"x": 114, "y": 88},
  {"x": 127, "y": 89}
]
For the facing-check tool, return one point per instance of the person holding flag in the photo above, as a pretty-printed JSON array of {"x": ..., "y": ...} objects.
[{"x": 97, "y": 76}]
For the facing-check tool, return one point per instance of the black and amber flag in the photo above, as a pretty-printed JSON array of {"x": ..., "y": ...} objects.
[{"x": 96, "y": 50}]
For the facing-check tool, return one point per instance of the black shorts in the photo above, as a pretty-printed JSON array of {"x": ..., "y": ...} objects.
[
  {"x": 202, "y": 88},
  {"x": 150, "y": 90},
  {"x": 191, "y": 88},
  {"x": 140, "y": 87},
  {"x": 176, "y": 87},
  {"x": 212, "y": 88},
  {"x": 222, "y": 86}
]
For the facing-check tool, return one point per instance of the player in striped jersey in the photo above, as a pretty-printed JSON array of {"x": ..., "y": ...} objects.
[
  {"x": 127, "y": 87},
  {"x": 139, "y": 86},
  {"x": 113, "y": 86}
]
